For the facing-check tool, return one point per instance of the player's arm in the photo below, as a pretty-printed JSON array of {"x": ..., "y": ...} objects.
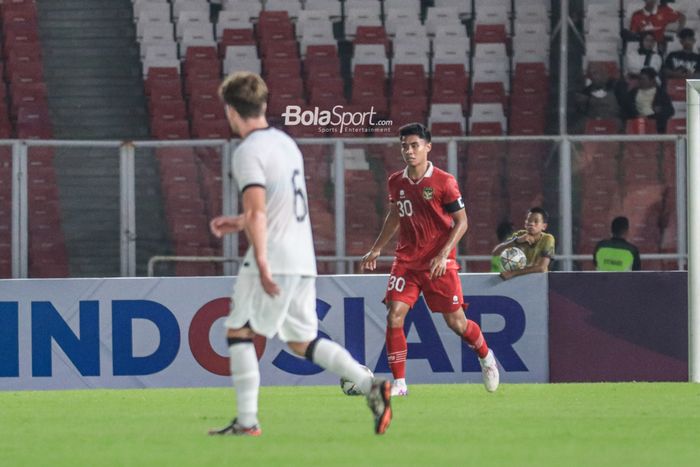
[
  {"x": 541, "y": 264},
  {"x": 391, "y": 225},
  {"x": 255, "y": 223},
  {"x": 438, "y": 265},
  {"x": 222, "y": 225},
  {"x": 498, "y": 249}
]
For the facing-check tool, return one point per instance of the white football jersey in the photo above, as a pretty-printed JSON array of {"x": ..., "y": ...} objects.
[{"x": 271, "y": 159}]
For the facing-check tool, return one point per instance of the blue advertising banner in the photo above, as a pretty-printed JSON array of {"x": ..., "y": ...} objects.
[{"x": 168, "y": 332}]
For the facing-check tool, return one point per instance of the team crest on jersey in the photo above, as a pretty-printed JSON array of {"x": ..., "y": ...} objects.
[
  {"x": 455, "y": 299},
  {"x": 402, "y": 195},
  {"x": 428, "y": 193}
]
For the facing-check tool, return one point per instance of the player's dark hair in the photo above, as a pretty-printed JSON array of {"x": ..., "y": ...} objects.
[
  {"x": 686, "y": 33},
  {"x": 540, "y": 211},
  {"x": 415, "y": 129},
  {"x": 620, "y": 225}
]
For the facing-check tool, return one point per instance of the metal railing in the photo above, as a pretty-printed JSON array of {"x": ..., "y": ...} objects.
[{"x": 127, "y": 151}]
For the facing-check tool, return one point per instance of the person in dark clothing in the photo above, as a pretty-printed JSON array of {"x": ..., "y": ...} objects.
[
  {"x": 616, "y": 253},
  {"x": 685, "y": 63},
  {"x": 649, "y": 100}
]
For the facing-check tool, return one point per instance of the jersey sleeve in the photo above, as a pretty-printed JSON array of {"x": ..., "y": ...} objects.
[
  {"x": 635, "y": 22},
  {"x": 390, "y": 183},
  {"x": 548, "y": 247},
  {"x": 452, "y": 198},
  {"x": 248, "y": 168}
]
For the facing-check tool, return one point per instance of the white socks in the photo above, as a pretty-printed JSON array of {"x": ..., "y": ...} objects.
[
  {"x": 245, "y": 373},
  {"x": 333, "y": 357}
]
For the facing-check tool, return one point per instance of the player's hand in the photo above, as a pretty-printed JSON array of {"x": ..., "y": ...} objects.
[
  {"x": 438, "y": 266},
  {"x": 269, "y": 285},
  {"x": 223, "y": 225},
  {"x": 505, "y": 275},
  {"x": 525, "y": 238},
  {"x": 369, "y": 260}
]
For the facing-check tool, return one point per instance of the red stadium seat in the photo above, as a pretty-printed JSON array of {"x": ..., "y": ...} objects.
[
  {"x": 173, "y": 129},
  {"x": 486, "y": 129},
  {"x": 676, "y": 89},
  {"x": 279, "y": 49},
  {"x": 640, "y": 126},
  {"x": 27, "y": 93},
  {"x": 446, "y": 129},
  {"x": 602, "y": 126},
  {"x": 487, "y": 92},
  {"x": 412, "y": 75},
  {"x": 211, "y": 129},
  {"x": 490, "y": 33},
  {"x": 235, "y": 37},
  {"x": 677, "y": 126}
]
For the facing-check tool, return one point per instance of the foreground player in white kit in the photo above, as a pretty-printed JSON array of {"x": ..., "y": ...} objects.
[{"x": 275, "y": 293}]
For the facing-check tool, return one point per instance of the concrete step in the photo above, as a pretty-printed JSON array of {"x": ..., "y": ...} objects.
[
  {"x": 83, "y": 72},
  {"x": 52, "y": 44},
  {"x": 89, "y": 13},
  {"x": 77, "y": 102},
  {"x": 95, "y": 55},
  {"x": 95, "y": 90},
  {"x": 52, "y": 30},
  {"x": 80, "y": 132},
  {"x": 62, "y": 5},
  {"x": 57, "y": 60}
]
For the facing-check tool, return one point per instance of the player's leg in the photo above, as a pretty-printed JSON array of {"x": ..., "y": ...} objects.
[
  {"x": 243, "y": 359},
  {"x": 245, "y": 374},
  {"x": 445, "y": 295},
  {"x": 401, "y": 294},
  {"x": 396, "y": 346},
  {"x": 300, "y": 331},
  {"x": 333, "y": 357}
]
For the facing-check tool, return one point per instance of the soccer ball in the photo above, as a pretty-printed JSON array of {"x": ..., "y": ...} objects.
[
  {"x": 351, "y": 389},
  {"x": 513, "y": 259}
]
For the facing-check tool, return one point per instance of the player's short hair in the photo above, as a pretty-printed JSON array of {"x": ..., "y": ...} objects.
[
  {"x": 619, "y": 226},
  {"x": 246, "y": 92},
  {"x": 686, "y": 33},
  {"x": 540, "y": 211},
  {"x": 415, "y": 129}
]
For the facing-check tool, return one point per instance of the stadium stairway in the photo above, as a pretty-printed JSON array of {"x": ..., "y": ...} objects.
[{"x": 95, "y": 88}]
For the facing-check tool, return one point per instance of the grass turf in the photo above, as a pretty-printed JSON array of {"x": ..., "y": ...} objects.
[{"x": 545, "y": 424}]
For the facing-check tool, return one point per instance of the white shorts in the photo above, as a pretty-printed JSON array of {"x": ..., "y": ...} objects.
[{"x": 291, "y": 314}]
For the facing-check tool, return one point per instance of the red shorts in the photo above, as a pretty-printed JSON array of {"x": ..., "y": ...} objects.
[{"x": 442, "y": 294}]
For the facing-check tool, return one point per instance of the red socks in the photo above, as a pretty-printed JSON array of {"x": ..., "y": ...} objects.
[
  {"x": 475, "y": 339},
  {"x": 396, "y": 349}
]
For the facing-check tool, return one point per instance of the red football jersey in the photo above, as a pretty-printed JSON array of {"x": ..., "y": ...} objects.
[
  {"x": 425, "y": 222},
  {"x": 655, "y": 22}
]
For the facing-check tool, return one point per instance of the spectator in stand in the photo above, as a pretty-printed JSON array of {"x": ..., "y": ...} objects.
[
  {"x": 616, "y": 253},
  {"x": 598, "y": 100},
  {"x": 655, "y": 18},
  {"x": 685, "y": 63},
  {"x": 649, "y": 100},
  {"x": 643, "y": 56}
]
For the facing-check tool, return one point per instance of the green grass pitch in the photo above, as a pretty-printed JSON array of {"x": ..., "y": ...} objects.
[{"x": 633, "y": 424}]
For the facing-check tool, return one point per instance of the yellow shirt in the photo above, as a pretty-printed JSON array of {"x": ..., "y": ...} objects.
[{"x": 544, "y": 248}]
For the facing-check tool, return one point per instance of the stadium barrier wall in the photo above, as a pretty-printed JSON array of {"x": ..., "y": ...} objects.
[
  {"x": 618, "y": 327},
  {"x": 168, "y": 332}
]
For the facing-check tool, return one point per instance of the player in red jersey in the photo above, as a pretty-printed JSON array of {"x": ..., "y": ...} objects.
[{"x": 428, "y": 211}]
